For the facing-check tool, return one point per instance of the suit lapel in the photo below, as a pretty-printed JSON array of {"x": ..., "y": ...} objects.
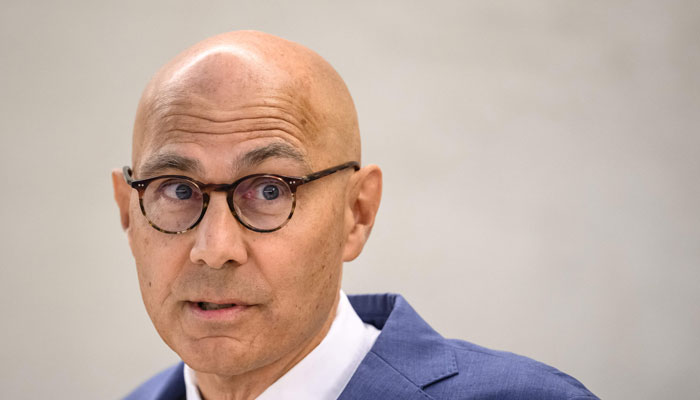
[
  {"x": 407, "y": 357},
  {"x": 375, "y": 379}
]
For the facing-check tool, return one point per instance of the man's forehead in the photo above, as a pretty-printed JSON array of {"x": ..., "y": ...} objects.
[
  {"x": 242, "y": 81},
  {"x": 222, "y": 93}
]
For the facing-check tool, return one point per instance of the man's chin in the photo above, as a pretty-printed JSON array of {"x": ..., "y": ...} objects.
[{"x": 220, "y": 356}]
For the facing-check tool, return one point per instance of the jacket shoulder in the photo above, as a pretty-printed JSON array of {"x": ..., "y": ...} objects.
[
  {"x": 168, "y": 384},
  {"x": 498, "y": 374},
  {"x": 410, "y": 355}
]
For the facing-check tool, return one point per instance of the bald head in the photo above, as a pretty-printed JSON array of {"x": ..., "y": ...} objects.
[{"x": 250, "y": 83}]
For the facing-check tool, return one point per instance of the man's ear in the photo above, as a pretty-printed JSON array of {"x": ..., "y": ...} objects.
[
  {"x": 122, "y": 195},
  {"x": 363, "y": 203}
]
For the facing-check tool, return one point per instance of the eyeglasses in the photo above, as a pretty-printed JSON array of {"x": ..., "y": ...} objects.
[{"x": 260, "y": 202}]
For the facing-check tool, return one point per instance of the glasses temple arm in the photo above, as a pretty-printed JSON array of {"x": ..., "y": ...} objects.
[{"x": 320, "y": 174}]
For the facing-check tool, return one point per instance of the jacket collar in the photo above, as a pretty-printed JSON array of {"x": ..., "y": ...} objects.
[{"x": 407, "y": 357}]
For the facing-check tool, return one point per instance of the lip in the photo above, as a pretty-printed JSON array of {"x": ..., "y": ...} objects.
[{"x": 224, "y": 314}]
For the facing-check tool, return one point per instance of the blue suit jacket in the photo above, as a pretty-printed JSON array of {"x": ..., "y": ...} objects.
[{"x": 410, "y": 361}]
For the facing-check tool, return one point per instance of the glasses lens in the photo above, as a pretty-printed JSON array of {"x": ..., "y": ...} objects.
[
  {"x": 263, "y": 202},
  {"x": 172, "y": 204}
]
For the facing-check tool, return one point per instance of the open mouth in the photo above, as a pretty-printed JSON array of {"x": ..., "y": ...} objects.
[{"x": 203, "y": 305}]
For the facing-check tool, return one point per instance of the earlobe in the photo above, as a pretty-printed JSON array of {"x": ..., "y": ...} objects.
[
  {"x": 363, "y": 204},
  {"x": 122, "y": 195}
]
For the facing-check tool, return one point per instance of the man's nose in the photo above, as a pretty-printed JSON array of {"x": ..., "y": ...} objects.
[{"x": 218, "y": 236}]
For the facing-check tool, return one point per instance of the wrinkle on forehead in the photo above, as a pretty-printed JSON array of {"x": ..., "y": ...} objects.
[
  {"x": 250, "y": 81},
  {"x": 272, "y": 114}
]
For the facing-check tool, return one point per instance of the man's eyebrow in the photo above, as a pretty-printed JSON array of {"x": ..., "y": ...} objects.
[
  {"x": 274, "y": 150},
  {"x": 164, "y": 161},
  {"x": 158, "y": 163}
]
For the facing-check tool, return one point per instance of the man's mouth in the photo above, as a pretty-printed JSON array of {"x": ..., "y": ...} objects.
[{"x": 213, "y": 306}]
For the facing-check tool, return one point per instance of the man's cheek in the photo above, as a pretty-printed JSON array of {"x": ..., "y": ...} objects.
[{"x": 155, "y": 274}]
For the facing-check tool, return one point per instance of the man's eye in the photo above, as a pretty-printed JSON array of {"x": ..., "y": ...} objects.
[
  {"x": 269, "y": 191},
  {"x": 178, "y": 190},
  {"x": 262, "y": 190}
]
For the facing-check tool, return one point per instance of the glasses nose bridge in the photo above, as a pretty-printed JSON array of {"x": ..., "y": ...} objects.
[
  {"x": 217, "y": 187},
  {"x": 208, "y": 189}
]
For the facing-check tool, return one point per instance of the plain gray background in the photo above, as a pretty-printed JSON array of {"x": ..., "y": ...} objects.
[{"x": 541, "y": 164}]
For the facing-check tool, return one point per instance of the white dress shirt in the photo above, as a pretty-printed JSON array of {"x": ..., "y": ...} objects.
[{"x": 327, "y": 369}]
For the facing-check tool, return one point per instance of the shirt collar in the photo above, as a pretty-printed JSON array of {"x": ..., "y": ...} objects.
[{"x": 326, "y": 370}]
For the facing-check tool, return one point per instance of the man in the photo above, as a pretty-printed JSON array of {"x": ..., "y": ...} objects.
[{"x": 244, "y": 197}]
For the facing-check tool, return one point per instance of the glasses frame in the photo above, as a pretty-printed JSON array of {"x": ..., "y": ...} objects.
[{"x": 206, "y": 188}]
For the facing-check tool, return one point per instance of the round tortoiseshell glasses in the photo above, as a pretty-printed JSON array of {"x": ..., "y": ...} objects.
[{"x": 260, "y": 202}]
